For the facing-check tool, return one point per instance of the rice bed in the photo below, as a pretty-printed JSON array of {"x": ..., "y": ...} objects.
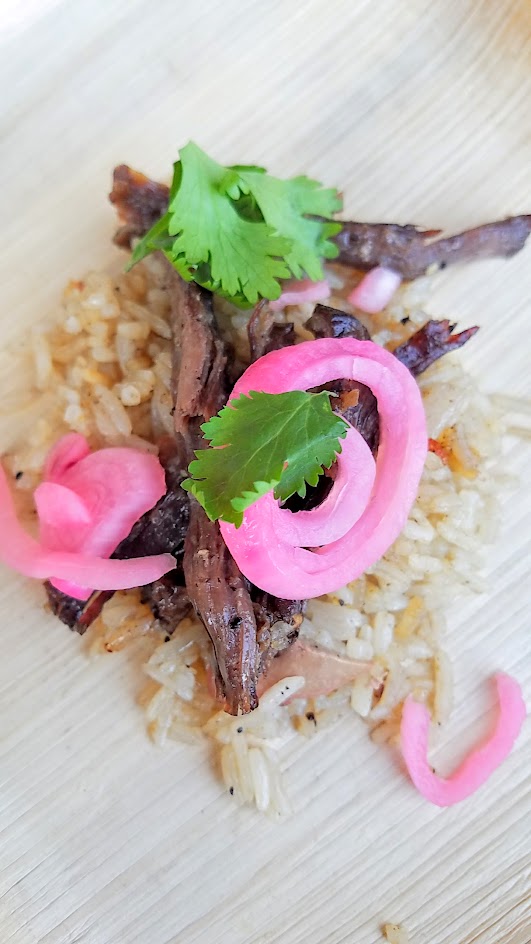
[{"x": 102, "y": 368}]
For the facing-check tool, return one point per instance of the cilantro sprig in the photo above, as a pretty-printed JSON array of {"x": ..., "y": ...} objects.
[
  {"x": 262, "y": 442},
  {"x": 238, "y": 230}
]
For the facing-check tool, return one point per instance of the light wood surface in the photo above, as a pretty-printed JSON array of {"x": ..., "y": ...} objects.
[{"x": 419, "y": 111}]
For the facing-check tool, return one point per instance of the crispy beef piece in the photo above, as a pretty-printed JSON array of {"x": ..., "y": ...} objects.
[
  {"x": 418, "y": 353},
  {"x": 215, "y": 586},
  {"x": 139, "y": 202},
  {"x": 354, "y": 401},
  {"x": 429, "y": 343},
  {"x": 410, "y": 251},
  {"x": 327, "y": 322},
  {"x": 199, "y": 359},
  {"x": 76, "y": 614},
  {"x": 161, "y": 530},
  {"x": 238, "y": 617},
  {"x": 360, "y": 411},
  {"x": 265, "y": 334},
  {"x": 168, "y": 598},
  {"x": 220, "y": 596}
]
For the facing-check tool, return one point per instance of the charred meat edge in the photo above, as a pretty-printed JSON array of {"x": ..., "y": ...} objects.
[
  {"x": 408, "y": 250},
  {"x": 355, "y": 401},
  {"x": 237, "y": 616}
]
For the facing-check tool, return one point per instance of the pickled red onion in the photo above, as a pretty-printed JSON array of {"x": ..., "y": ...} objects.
[
  {"x": 479, "y": 764},
  {"x": 375, "y": 290},
  {"x": 297, "y": 293},
  {"x": 88, "y": 505},
  {"x": 342, "y": 506},
  {"x": 262, "y": 548}
]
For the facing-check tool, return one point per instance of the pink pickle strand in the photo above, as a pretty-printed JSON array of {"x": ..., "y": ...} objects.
[
  {"x": 480, "y": 763},
  {"x": 341, "y": 508},
  {"x": 67, "y": 452},
  {"x": 23, "y": 553},
  {"x": 297, "y": 293},
  {"x": 375, "y": 290},
  {"x": 266, "y": 554},
  {"x": 114, "y": 487}
]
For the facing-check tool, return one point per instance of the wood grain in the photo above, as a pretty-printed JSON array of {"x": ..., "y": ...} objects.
[{"x": 420, "y": 112}]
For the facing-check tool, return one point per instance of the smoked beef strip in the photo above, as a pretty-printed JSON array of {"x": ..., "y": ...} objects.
[{"x": 408, "y": 250}]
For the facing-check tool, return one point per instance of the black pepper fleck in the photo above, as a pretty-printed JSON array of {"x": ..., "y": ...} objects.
[
  {"x": 404, "y": 320},
  {"x": 239, "y": 730},
  {"x": 18, "y": 476},
  {"x": 231, "y": 791}
]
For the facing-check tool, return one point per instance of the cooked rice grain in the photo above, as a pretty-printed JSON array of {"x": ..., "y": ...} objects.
[{"x": 103, "y": 368}]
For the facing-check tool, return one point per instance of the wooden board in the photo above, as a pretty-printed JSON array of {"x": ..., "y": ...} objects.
[{"x": 419, "y": 111}]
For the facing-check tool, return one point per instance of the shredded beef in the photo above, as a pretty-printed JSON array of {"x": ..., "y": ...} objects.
[
  {"x": 410, "y": 251},
  {"x": 429, "y": 343},
  {"x": 327, "y": 322},
  {"x": 265, "y": 334},
  {"x": 220, "y": 596},
  {"x": 76, "y": 614},
  {"x": 356, "y": 402},
  {"x": 239, "y": 617},
  {"x": 139, "y": 202}
]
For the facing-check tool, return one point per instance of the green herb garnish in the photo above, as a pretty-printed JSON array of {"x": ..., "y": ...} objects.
[
  {"x": 269, "y": 441},
  {"x": 237, "y": 230}
]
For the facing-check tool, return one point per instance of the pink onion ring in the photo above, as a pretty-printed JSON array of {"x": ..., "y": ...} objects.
[
  {"x": 375, "y": 290},
  {"x": 261, "y": 550},
  {"x": 87, "y": 504},
  {"x": 297, "y": 293},
  {"x": 342, "y": 506},
  {"x": 22, "y": 553},
  {"x": 479, "y": 764}
]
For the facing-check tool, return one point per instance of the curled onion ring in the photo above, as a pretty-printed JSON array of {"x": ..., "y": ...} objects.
[
  {"x": 272, "y": 550},
  {"x": 479, "y": 764}
]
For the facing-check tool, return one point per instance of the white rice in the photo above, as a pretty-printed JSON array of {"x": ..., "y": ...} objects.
[{"x": 102, "y": 368}]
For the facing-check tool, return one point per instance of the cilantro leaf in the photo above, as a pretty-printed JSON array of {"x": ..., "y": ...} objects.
[
  {"x": 237, "y": 256},
  {"x": 285, "y": 205},
  {"x": 261, "y": 442},
  {"x": 238, "y": 231},
  {"x": 157, "y": 237}
]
